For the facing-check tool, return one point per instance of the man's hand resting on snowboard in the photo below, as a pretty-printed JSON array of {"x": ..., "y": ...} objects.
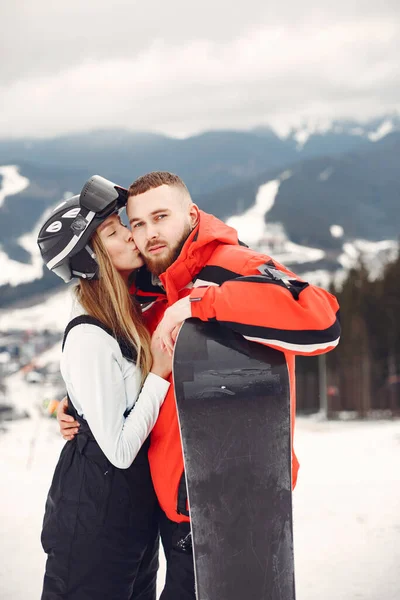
[{"x": 169, "y": 325}]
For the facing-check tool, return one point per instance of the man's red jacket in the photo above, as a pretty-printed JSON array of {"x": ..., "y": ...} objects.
[{"x": 250, "y": 293}]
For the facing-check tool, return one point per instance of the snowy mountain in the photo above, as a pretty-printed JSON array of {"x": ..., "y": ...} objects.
[
  {"x": 207, "y": 161},
  {"x": 321, "y": 215},
  {"x": 314, "y": 207},
  {"x": 321, "y": 266},
  {"x": 316, "y": 137},
  {"x": 13, "y": 271}
]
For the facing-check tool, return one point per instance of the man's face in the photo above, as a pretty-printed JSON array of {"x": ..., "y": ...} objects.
[{"x": 161, "y": 221}]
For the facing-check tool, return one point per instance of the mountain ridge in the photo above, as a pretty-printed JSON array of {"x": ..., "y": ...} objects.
[{"x": 357, "y": 190}]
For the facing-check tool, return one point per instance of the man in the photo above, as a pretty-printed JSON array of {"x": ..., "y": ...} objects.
[{"x": 198, "y": 268}]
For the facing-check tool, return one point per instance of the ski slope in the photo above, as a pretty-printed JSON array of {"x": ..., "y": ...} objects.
[
  {"x": 12, "y": 182},
  {"x": 271, "y": 238},
  {"x": 346, "y": 504}
]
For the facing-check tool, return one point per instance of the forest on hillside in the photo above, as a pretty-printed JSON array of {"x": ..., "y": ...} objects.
[{"x": 363, "y": 373}]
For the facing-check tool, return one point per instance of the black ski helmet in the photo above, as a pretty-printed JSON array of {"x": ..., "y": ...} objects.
[{"x": 63, "y": 239}]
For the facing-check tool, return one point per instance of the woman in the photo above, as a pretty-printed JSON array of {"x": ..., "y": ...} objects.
[{"x": 100, "y": 525}]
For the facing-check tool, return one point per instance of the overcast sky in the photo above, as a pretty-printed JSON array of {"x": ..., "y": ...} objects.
[{"x": 180, "y": 67}]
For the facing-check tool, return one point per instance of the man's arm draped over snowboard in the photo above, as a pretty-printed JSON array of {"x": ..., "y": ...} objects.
[{"x": 263, "y": 301}]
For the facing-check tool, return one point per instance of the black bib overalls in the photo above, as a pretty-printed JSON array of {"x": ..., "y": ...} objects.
[{"x": 100, "y": 528}]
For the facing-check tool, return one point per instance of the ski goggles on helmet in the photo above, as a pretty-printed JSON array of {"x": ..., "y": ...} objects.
[
  {"x": 103, "y": 197},
  {"x": 99, "y": 198}
]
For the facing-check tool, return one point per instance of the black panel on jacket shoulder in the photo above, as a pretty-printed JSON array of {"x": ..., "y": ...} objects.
[
  {"x": 272, "y": 274},
  {"x": 216, "y": 274}
]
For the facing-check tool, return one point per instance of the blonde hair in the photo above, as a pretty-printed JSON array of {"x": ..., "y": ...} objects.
[{"x": 108, "y": 300}]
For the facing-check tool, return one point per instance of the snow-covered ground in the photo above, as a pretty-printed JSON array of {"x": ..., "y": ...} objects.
[
  {"x": 12, "y": 271},
  {"x": 383, "y": 130},
  {"x": 271, "y": 238},
  {"x": 346, "y": 504},
  {"x": 309, "y": 127},
  {"x": 12, "y": 182},
  {"x": 375, "y": 255},
  {"x": 15, "y": 272},
  {"x": 52, "y": 313},
  {"x": 250, "y": 224}
]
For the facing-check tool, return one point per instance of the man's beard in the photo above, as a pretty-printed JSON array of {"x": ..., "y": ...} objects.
[{"x": 159, "y": 265}]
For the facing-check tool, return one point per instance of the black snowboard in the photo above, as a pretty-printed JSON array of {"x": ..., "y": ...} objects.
[{"x": 233, "y": 405}]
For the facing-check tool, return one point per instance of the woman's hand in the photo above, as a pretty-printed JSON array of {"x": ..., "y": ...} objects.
[
  {"x": 162, "y": 360},
  {"x": 169, "y": 325}
]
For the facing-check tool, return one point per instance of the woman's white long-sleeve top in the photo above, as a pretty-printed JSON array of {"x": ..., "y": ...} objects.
[{"x": 102, "y": 385}]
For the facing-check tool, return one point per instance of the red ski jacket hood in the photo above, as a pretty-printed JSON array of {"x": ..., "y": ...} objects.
[{"x": 196, "y": 252}]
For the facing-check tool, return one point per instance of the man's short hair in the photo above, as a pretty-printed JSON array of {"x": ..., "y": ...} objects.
[{"x": 153, "y": 180}]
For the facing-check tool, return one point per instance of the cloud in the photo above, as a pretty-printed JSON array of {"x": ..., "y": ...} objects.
[{"x": 183, "y": 79}]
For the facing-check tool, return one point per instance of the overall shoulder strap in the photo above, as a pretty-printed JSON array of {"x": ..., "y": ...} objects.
[
  {"x": 127, "y": 350},
  {"x": 84, "y": 319}
]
